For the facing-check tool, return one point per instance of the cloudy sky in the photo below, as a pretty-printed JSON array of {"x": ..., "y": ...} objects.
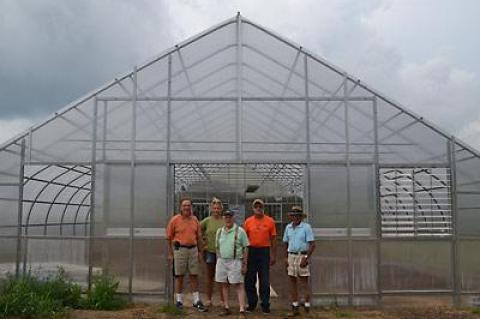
[{"x": 422, "y": 53}]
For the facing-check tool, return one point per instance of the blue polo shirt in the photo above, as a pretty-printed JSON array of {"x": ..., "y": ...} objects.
[{"x": 298, "y": 237}]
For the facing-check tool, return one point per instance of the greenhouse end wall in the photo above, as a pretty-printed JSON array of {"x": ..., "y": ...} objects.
[{"x": 393, "y": 200}]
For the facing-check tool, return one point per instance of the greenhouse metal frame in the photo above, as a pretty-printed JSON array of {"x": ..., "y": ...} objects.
[{"x": 394, "y": 200}]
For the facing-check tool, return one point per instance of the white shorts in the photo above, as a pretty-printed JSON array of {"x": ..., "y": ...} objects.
[
  {"x": 294, "y": 268},
  {"x": 229, "y": 270}
]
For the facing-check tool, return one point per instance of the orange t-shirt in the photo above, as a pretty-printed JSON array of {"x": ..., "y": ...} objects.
[
  {"x": 260, "y": 230},
  {"x": 184, "y": 230}
]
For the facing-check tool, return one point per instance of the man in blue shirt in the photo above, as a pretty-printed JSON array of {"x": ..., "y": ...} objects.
[{"x": 299, "y": 245}]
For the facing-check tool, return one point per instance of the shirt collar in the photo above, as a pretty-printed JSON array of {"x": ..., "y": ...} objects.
[{"x": 298, "y": 226}]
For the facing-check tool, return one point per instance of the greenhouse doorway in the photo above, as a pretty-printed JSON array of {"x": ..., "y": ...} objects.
[{"x": 280, "y": 186}]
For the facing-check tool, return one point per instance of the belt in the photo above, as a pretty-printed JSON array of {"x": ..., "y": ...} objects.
[
  {"x": 297, "y": 252},
  {"x": 187, "y": 246}
]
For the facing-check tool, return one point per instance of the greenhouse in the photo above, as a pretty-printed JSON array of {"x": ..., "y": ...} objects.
[{"x": 239, "y": 112}]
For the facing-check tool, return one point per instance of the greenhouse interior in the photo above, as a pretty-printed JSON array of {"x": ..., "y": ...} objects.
[{"x": 240, "y": 112}]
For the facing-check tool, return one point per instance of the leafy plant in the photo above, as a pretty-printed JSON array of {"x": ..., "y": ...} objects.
[
  {"x": 171, "y": 310},
  {"x": 103, "y": 296}
]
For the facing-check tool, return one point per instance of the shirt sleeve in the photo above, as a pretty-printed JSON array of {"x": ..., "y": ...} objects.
[
  {"x": 273, "y": 229},
  {"x": 285, "y": 235},
  {"x": 204, "y": 224},
  {"x": 309, "y": 233},
  {"x": 243, "y": 238},
  {"x": 171, "y": 229}
]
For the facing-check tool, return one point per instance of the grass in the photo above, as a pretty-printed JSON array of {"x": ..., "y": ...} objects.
[
  {"x": 31, "y": 297},
  {"x": 170, "y": 310}
]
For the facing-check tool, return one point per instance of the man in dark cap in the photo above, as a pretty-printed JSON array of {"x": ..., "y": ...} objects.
[{"x": 299, "y": 246}]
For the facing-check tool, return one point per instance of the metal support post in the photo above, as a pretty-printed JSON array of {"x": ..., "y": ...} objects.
[
  {"x": 348, "y": 193},
  {"x": 133, "y": 133},
  {"x": 91, "y": 236},
  {"x": 454, "y": 255},
  {"x": 378, "y": 216},
  {"x": 170, "y": 185},
  {"x": 21, "y": 174},
  {"x": 238, "y": 118}
]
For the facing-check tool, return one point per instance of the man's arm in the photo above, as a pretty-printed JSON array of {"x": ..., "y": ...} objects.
[{"x": 273, "y": 250}]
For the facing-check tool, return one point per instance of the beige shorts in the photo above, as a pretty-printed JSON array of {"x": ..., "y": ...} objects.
[
  {"x": 229, "y": 270},
  {"x": 294, "y": 268},
  {"x": 185, "y": 260}
]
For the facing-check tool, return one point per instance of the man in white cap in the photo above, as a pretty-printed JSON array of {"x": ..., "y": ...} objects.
[{"x": 299, "y": 245}]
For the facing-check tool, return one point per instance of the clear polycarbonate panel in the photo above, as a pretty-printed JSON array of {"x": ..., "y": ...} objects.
[
  {"x": 67, "y": 137},
  {"x": 362, "y": 200},
  {"x": 8, "y": 210},
  {"x": 150, "y": 199},
  {"x": 329, "y": 267},
  {"x": 328, "y": 199},
  {"x": 203, "y": 131},
  {"x": 200, "y": 68},
  {"x": 8, "y": 255},
  {"x": 416, "y": 265},
  {"x": 327, "y": 131},
  {"x": 274, "y": 131},
  {"x": 149, "y": 268},
  {"x": 403, "y": 139},
  {"x": 152, "y": 80},
  {"x": 10, "y": 160},
  {"x": 270, "y": 65},
  {"x": 112, "y": 216},
  {"x": 361, "y": 131},
  {"x": 468, "y": 192},
  {"x": 364, "y": 266},
  {"x": 111, "y": 256},
  {"x": 469, "y": 265},
  {"x": 116, "y": 130},
  {"x": 45, "y": 256},
  {"x": 323, "y": 81},
  {"x": 123, "y": 89},
  {"x": 151, "y": 132}
]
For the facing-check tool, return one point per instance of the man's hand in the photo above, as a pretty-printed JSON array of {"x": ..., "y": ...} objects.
[
  {"x": 286, "y": 261},
  {"x": 244, "y": 268},
  {"x": 273, "y": 259},
  {"x": 200, "y": 257},
  {"x": 170, "y": 258},
  {"x": 304, "y": 262}
]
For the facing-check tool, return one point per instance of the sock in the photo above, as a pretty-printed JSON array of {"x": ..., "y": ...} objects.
[
  {"x": 196, "y": 297},
  {"x": 307, "y": 304},
  {"x": 295, "y": 303},
  {"x": 180, "y": 298}
]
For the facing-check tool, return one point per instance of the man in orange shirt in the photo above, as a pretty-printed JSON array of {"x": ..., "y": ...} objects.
[
  {"x": 261, "y": 234},
  {"x": 185, "y": 250}
]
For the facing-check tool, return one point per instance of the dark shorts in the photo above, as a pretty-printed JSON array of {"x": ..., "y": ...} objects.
[{"x": 210, "y": 258}]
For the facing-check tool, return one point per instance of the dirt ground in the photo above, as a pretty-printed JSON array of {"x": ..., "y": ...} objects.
[{"x": 152, "y": 312}]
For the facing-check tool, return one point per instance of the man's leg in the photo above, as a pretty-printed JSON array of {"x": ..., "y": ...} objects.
[
  {"x": 264, "y": 276},
  {"x": 251, "y": 278},
  {"x": 210, "y": 282},
  {"x": 293, "y": 289},
  {"x": 305, "y": 286},
  {"x": 179, "y": 289},
  {"x": 241, "y": 296}
]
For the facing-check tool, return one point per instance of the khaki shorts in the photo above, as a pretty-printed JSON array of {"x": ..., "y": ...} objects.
[
  {"x": 185, "y": 260},
  {"x": 229, "y": 270},
  {"x": 294, "y": 268}
]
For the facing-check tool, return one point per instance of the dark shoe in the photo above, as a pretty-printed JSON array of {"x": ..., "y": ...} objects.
[
  {"x": 266, "y": 310},
  {"x": 307, "y": 309},
  {"x": 295, "y": 311},
  {"x": 250, "y": 308},
  {"x": 200, "y": 307},
  {"x": 225, "y": 312},
  {"x": 179, "y": 305}
]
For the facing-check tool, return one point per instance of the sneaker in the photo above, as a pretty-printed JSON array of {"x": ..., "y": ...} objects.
[
  {"x": 179, "y": 305},
  {"x": 306, "y": 308},
  {"x": 225, "y": 312},
  {"x": 266, "y": 310},
  {"x": 250, "y": 308},
  {"x": 295, "y": 312},
  {"x": 241, "y": 315},
  {"x": 200, "y": 307}
]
